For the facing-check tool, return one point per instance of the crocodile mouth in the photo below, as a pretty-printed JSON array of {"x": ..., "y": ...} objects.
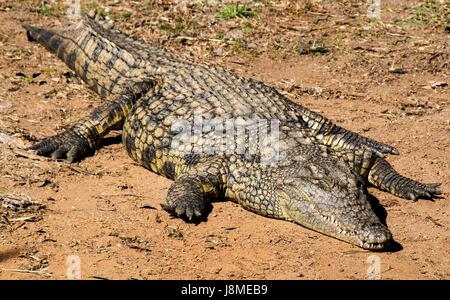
[
  {"x": 376, "y": 240},
  {"x": 344, "y": 216}
]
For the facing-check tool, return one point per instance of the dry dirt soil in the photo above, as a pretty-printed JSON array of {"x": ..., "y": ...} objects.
[{"x": 386, "y": 78}]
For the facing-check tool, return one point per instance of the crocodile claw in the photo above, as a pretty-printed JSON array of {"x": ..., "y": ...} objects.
[
  {"x": 183, "y": 209},
  {"x": 422, "y": 190},
  {"x": 64, "y": 145},
  {"x": 185, "y": 198}
]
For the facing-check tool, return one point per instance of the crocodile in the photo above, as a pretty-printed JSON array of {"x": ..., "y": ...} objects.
[{"x": 180, "y": 118}]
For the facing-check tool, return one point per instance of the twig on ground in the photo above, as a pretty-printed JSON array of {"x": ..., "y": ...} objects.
[{"x": 42, "y": 272}]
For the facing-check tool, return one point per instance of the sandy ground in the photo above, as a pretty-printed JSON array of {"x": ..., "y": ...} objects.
[{"x": 384, "y": 78}]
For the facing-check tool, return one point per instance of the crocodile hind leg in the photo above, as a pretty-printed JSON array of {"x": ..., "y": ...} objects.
[
  {"x": 339, "y": 138},
  {"x": 86, "y": 134},
  {"x": 383, "y": 176},
  {"x": 380, "y": 174},
  {"x": 358, "y": 152},
  {"x": 192, "y": 190}
]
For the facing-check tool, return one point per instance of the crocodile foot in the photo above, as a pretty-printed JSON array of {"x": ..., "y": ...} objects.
[
  {"x": 418, "y": 190},
  {"x": 384, "y": 177},
  {"x": 185, "y": 199},
  {"x": 64, "y": 145}
]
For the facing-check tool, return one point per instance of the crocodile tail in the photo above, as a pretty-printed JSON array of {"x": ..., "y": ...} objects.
[
  {"x": 62, "y": 42},
  {"x": 90, "y": 50},
  {"x": 49, "y": 38},
  {"x": 59, "y": 41}
]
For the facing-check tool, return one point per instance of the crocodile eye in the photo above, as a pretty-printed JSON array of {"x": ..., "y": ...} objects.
[
  {"x": 305, "y": 172},
  {"x": 315, "y": 171},
  {"x": 290, "y": 181}
]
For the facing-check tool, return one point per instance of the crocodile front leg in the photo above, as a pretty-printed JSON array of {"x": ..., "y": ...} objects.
[
  {"x": 339, "y": 138},
  {"x": 191, "y": 191},
  {"x": 383, "y": 176},
  {"x": 366, "y": 157},
  {"x": 380, "y": 174}
]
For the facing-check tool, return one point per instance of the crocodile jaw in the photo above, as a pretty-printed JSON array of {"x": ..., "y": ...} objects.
[
  {"x": 374, "y": 237},
  {"x": 348, "y": 218}
]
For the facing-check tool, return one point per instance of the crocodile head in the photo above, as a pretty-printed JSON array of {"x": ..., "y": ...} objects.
[{"x": 328, "y": 197}]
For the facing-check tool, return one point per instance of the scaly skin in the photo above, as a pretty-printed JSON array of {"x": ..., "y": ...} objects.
[{"x": 319, "y": 180}]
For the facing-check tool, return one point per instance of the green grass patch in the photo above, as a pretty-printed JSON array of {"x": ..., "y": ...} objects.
[
  {"x": 397, "y": 70},
  {"x": 46, "y": 11},
  {"x": 427, "y": 13},
  {"x": 319, "y": 49},
  {"x": 125, "y": 15},
  {"x": 91, "y": 4},
  {"x": 247, "y": 28},
  {"x": 235, "y": 11},
  {"x": 410, "y": 22},
  {"x": 180, "y": 25},
  {"x": 101, "y": 12},
  {"x": 165, "y": 26},
  {"x": 303, "y": 50}
]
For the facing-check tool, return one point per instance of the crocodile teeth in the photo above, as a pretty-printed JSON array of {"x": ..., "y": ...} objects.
[{"x": 340, "y": 230}]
